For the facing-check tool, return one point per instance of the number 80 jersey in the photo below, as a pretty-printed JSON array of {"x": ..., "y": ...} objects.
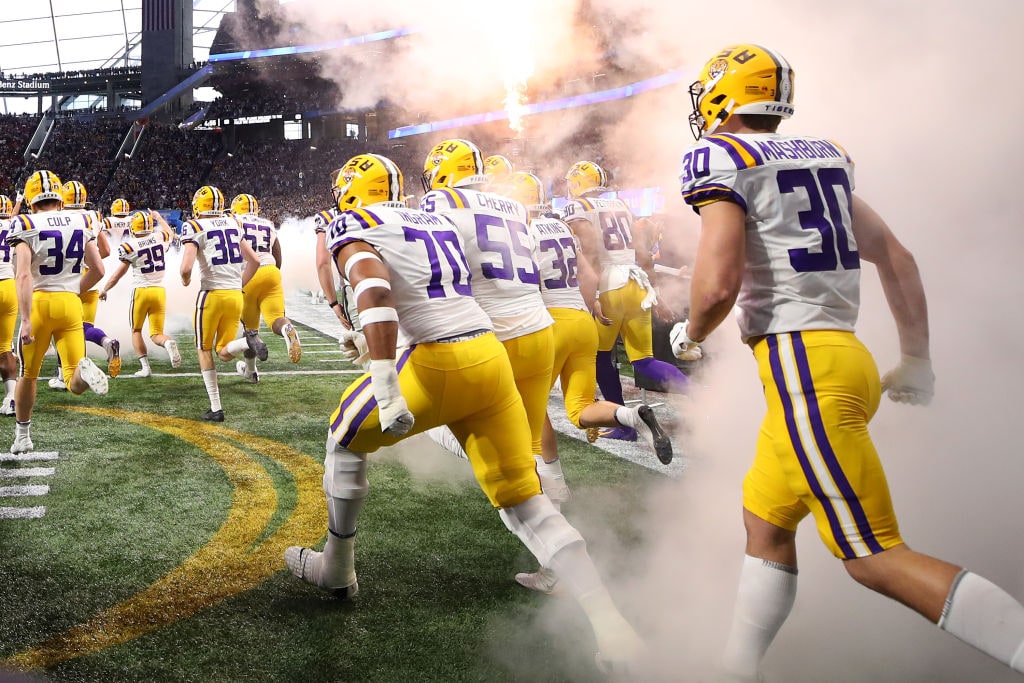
[
  {"x": 427, "y": 266},
  {"x": 57, "y": 240},
  {"x": 802, "y": 267}
]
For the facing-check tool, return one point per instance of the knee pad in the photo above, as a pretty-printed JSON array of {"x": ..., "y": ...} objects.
[
  {"x": 541, "y": 527},
  {"x": 344, "y": 473}
]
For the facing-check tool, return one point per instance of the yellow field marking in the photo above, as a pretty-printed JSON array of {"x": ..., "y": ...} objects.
[{"x": 230, "y": 563}]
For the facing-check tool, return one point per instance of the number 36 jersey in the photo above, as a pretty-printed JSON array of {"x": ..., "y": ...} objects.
[
  {"x": 427, "y": 267},
  {"x": 220, "y": 251},
  {"x": 802, "y": 267},
  {"x": 57, "y": 240}
]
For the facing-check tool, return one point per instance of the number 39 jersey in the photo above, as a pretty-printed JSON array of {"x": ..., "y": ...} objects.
[
  {"x": 57, "y": 240},
  {"x": 506, "y": 282},
  {"x": 427, "y": 266},
  {"x": 554, "y": 250},
  {"x": 802, "y": 266},
  {"x": 146, "y": 257},
  {"x": 220, "y": 252}
]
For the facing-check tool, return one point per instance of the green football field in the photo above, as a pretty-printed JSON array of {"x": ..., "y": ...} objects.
[{"x": 152, "y": 548}]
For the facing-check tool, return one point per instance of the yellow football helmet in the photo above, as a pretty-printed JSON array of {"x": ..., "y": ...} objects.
[
  {"x": 6, "y": 206},
  {"x": 120, "y": 208},
  {"x": 245, "y": 204},
  {"x": 453, "y": 163},
  {"x": 142, "y": 223},
  {"x": 367, "y": 179},
  {"x": 741, "y": 79},
  {"x": 528, "y": 190},
  {"x": 207, "y": 201},
  {"x": 43, "y": 186},
  {"x": 497, "y": 166},
  {"x": 584, "y": 177},
  {"x": 74, "y": 195}
]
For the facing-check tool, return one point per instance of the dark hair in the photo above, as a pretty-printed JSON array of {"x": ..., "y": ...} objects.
[
  {"x": 46, "y": 204},
  {"x": 767, "y": 123}
]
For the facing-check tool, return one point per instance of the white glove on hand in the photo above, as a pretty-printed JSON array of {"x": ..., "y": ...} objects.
[
  {"x": 683, "y": 347},
  {"x": 912, "y": 381},
  {"x": 395, "y": 417},
  {"x": 353, "y": 347}
]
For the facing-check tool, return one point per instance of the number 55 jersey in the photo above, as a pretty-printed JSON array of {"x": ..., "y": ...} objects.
[{"x": 803, "y": 269}]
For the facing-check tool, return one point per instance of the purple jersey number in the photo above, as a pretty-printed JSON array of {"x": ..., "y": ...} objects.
[
  {"x": 564, "y": 262},
  {"x": 831, "y": 186},
  {"x": 152, "y": 259},
  {"x": 258, "y": 236},
  {"x": 58, "y": 253},
  {"x": 226, "y": 242},
  {"x": 615, "y": 230},
  {"x": 505, "y": 239},
  {"x": 456, "y": 274}
]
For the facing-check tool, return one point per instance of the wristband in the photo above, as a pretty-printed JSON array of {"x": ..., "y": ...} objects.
[{"x": 332, "y": 304}]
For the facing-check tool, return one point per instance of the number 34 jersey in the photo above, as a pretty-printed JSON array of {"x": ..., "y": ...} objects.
[
  {"x": 802, "y": 266},
  {"x": 57, "y": 240},
  {"x": 146, "y": 256},
  {"x": 427, "y": 266},
  {"x": 220, "y": 251}
]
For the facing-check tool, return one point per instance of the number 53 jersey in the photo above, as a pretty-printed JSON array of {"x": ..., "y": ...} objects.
[
  {"x": 57, "y": 240},
  {"x": 802, "y": 266}
]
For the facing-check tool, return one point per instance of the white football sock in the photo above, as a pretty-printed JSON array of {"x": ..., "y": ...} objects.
[
  {"x": 9, "y": 385},
  {"x": 627, "y": 417},
  {"x": 212, "y": 388},
  {"x": 764, "y": 599},
  {"x": 144, "y": 360},
  {"x": 236, "y": 346},
  {"x": 985, "y": 616}
]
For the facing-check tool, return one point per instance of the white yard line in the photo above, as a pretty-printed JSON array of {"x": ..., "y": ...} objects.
[
  {"x": 26, "y": 472},
  {"x": 22, "y": 513},
  {"x": 35, "y": 455},
  {"x": 31, "y": 490}
]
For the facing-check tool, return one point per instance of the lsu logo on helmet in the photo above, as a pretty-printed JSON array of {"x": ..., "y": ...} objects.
[
  {"x": 120, "y": 208},
  {"x": 43, "y": 186},
  {"x": 74, "y": 195},
  {"x": 528, "y": 190},
  {"x": 741, "y": 79},
  {"x": 497, "y": 166},
  {"x": 244, "y": 204},
  {"x": 367, "y": 179},
  {"x": 586, "y": 176},
  {"x": 6, "y": 206},
  {"x": 453, "y": 163},
  {"x": 142, "y": 223},
  {"x": 208, "y": 201}
]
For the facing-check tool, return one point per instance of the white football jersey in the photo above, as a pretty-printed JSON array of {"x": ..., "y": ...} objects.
[
  {"x": 427, "y": 266},
  {"x": 220, "y": 251},
  {"x": 57, "y": 240},
  {"x": 506, "y": 281},
  {"x": 323, "y": 219},
  {"x": 803, "y": 269},
  {"x": 555, "y": 251},
  {"x": 6, "y": 253},
  {"x": 261, "y": 235},
  {"x": 119, "y": 227},
  {"x": 147, "y": 257}
]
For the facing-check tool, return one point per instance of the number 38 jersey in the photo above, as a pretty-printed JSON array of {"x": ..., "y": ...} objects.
[
  {"x": 220, "y": 252},
  {"x": 57, "y": 240},
  {"x": 427, "y": 266},
  {"x": 802, "y": 266},
  {"x": 506, "y": 282},
  {"x": 145, "y": 255}
]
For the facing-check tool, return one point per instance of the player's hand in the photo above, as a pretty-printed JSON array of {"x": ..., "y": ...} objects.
[
  {"x": 395, "y": 416},
  {"x": 664, "y": 311},
  {"x": 912, "y": 381},
  {"x": 599, "y": 313},
  {"x": 683, "y": 347},
  {"x": 103, "y": 295},
  {"x": 26, "y": 332},
  {"x": 353, "y": 347}
]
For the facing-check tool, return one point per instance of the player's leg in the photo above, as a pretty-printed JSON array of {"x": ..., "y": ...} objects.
[
  {"x": 137, "y": 312},
  {"x": 613, "y": 307},
  {"x": 210, "y": 307},
  {"x": 253, "y": 293},
  {"x": 532, "y": 358},
  {"x": 112, "y": 347},
  {"x": 157, "y": 314},
  {"x": 272, "y": 310},
  {"x": 80, "y": 372},
  {"x": 30, "y": 359},
  {"x": 8, "y": 362},
  {"x": 636, "y": 337}
]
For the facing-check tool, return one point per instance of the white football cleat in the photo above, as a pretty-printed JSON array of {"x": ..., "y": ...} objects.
[
  {"x": 7, "y": 407},
  {"x": 171, "y": 347},
  {"x": 253, "y": 377},
  {"x": 22, "y": 444},
  {"x": 305, "y": 563},
  {"x": 543, "y": 581},
  {"x": 93, "y": 376},
  {"x": 143, "y": 373},
  {"x": 291, "y": 341},
  {"x": 57, "y": 384}
]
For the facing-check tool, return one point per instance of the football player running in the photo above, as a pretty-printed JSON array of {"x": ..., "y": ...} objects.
[
  {"x": 338, "y": 298},
  {"x": 411, "y": 280},
  {"x": 52, "y": 248},
  {"x": 263, "y": 294},
  {"x": 8, "y": 308},
  {"x": 145, "y": 253},
  {"x": 782, "y": 238},
  {"x": 226, "y": 263},
  {"x": 626, "y": 295}
]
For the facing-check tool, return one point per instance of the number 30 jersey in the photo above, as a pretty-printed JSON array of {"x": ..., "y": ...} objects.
[
  {"x": 145, "y": 255},
  {"x": 57, "y": 240},
  {"x": 802, "y": 267},
  {"x": 220, "y": 252},
  {"x": 427, "y": 266}
]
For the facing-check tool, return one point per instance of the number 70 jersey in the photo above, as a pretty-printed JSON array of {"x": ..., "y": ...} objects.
[
  {"x": 57, "y": 240},
  {"x": 427, "y": 266},
  {"x": 802, "y": 267}
]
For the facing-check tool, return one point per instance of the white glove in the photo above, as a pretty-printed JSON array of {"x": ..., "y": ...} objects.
[
  {"x": 912, "y": 381},
  {"x": 395, "y": 417},
  {"x": 353, "y": 347},
  {"x": 683, "y": 347}
]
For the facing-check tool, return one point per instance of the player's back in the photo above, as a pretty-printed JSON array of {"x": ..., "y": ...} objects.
[
  {"x": 119, "y": 227},
  {"x": 6, "y": 254},
  {"x": 613, "y": 219},
  {"x": 261, "y": 235},
  {"x": 803, "y": 269},
  {"x": 506, "y": 280},
  {"x": 429, "y": 272},
  {"x": 57, "y": 240},
  {"x": 555, "y": 251},
  {"x": 147, "y": 256},
  {"x": 218, "y": 240}
]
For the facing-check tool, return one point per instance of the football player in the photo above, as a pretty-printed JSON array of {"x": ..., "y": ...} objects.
[
  {"x": 411, "y": 282},
  {"x": 782, "y": 239},
  {"x": 119, "y": 223},
  {"x": 145, "y": 253},
  {"x": 604, "y": 227},
  {"x": 76, "y": 199},
  {"x": 339, "y": 298},
  {"x": 263, "y": 294},
  {"x": 52, "y": 248},
  {"x": 8, "y": 308},
  {"x": 226, "y": 263},
  {"x": 498, "y": 169}
]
